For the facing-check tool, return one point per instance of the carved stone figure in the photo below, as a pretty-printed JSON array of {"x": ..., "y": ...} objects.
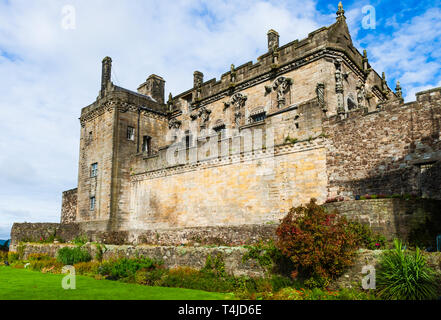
[
  {"x": 281, "y": 86},
  {"x": 232, "y": 74},
  {"x": 204, "y": 115},
  {"x": 174, "y": 123},
  {"x": 238, "y": 102},
  {"x": 320, "y": 91},
  {"x": 361, "y": 93}
]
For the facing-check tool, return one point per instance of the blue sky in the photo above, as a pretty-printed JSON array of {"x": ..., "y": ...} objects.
[{"x": 50, "y": 73}]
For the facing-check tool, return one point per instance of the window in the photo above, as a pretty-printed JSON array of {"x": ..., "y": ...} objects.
[
  {"x": 147, "y": 144},
  {"x": 258, "y": 117},
  {"x": 90, "y": 136},
  {"x": 94, "y": 170},
  {"x": 92, "y": 203},
  {"x": 188, "y": 140},
  {"x": 131, "y": 133}
]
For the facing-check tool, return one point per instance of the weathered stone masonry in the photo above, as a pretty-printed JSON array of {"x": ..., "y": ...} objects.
[{"x": 309, "y": 119}]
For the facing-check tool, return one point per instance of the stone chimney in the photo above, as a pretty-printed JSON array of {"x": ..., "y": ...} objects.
[
  {"x": 154, "y": 87},
  {"x": 198, "y": 79},
  {"x": 273, "y": 40},
  {"x": 106, "y": 73}
]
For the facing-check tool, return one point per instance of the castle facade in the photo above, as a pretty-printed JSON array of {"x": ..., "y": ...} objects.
[{"x": 309, "y": 119}]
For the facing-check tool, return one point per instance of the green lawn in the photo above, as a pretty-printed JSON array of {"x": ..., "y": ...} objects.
[{"x": 19, "y": 284}]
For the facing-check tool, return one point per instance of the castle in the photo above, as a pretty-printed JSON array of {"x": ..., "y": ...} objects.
[{"x": 309, "y": 119}]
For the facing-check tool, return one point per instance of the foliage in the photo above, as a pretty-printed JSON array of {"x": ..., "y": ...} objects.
[
  {"x": 38, "y": 257},
  {"x": 100, "y": 249},
  {"x": 13, "y": 256},
  {"x": 320, "y": 244},
  {"x": 80, "y": 240},
  {"x": 126, "y": 268},
  {"x": 269, "y": 257},
  {"x": 3, "y": 256},
  {"x": 366, "y": 238},
  {"x": 288, "y": 139},
  {"x": 405, "y": 275},
  {"x": 71, "y": 256},
  {"x": 313, "y": 294},
  {"x": 87, "y": 268},
  {"x": 215, "y": 265},
  {"x": 49, "y": 265}
]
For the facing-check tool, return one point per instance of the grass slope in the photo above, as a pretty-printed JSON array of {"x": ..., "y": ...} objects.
[{"x": 19, "y": 284}]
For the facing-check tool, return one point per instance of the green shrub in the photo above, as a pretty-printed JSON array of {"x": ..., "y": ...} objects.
[
  {"x": 38, "y": 257},
  {"x": 3, "y": 256},
  {"x": 269, "y": 257},
  {"x": 13, "y": 256},
  {"x": 405, "y": 275},
  {"x": 49, "y": 265},
  {"x": 87, "y": 268},
  {"x": 71, "y": 256},
  {"x": 215, "y": 265},
  {"x": 100, "y": 249},
  {"x": 126, "y": 268},
  {"x": 366, "y": 238},
  {"x": 320, "y": 244},
  {"x": 80, "y": 240}
]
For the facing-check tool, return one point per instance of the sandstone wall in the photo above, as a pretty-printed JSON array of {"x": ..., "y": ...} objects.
[
  {"x": 69, "y": 206},
  {"x": 34, "y": 232},
  {"x": 393, "y": 150},
  {"x": 410, "y": 220},
  {"x": 235, "y": 190}
]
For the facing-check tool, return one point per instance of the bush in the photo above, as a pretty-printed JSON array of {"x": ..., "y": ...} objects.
[
  {"x": 3, "y": 256},
  {"x": 366, "y": 238},
  {"x": 71, "y": 256},
  {"x": 321, "y": 245},
  {"x": 405, "y": 275},
  {"x": 38, "y": 257},
  {"x": 87, "y": 268},
  {"x": 50, "y": 265},
  {"x": 126, "y": 268},
  {"x": 269, "y": 257},
  {"x": 13, "y": 257}
]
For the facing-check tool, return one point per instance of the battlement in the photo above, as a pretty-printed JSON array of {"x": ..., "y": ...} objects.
[{"x": 278, "y": 60}]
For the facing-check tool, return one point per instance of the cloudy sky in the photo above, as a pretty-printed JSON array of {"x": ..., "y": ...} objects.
[{"x": 49, "y": 72}]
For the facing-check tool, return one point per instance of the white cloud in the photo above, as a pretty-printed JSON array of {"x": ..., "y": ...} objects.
[{"x": 410, "y": 54}]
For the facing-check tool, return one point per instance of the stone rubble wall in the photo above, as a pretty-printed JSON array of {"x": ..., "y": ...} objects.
[
  {"x": 393, "y": 218},
  {"x": 195, "y": 257},
  {"x": 69, "y": 206}
]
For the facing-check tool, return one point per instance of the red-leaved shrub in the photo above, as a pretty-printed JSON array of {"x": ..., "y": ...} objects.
[{"x": 321, "y": 245}]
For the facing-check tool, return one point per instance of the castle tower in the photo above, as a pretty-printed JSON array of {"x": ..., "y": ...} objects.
[{"x": 118, "y": 126}]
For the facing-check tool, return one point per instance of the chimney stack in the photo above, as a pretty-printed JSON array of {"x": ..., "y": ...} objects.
[
  {"x": 106, "y": 73},
  {"x": 273, "y": 40},
  {"x": 198, "y": 79},
  {"x": 154, "y": 87}
]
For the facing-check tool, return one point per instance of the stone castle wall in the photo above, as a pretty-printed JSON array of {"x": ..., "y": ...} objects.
[
  {"x": 395, "y": 150},
  {"x": 395, "y": 218},
  {"x": 69, "y": 206}
]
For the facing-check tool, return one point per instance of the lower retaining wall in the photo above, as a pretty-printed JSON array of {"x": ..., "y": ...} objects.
[
  {"x": 216, "y": 235},
  {"x": 172, "y": 256},
  {"x": 195, "y": 257},
  {"x": 418, "y": 221}
]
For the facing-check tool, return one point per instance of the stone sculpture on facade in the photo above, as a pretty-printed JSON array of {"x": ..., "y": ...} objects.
[
  {"x": 281, "y": 86},
  {"x": 320, "y": 91}
]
